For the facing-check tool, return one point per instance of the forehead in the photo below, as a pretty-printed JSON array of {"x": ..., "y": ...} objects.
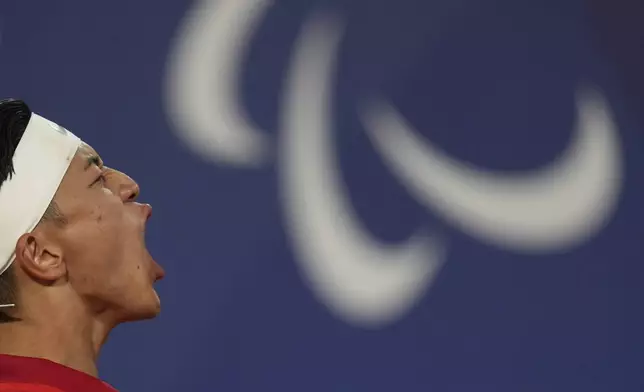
[
  {"x": 85, "y": 150},
  {"x": 83, "y": 158},
  {"x": 77, "y": 170}
]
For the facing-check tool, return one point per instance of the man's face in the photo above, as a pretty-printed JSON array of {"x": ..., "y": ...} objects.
[{"x": 102, "y": 243}]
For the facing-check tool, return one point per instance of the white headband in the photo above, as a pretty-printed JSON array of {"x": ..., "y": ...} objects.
[{"x": 40, "y": 163}]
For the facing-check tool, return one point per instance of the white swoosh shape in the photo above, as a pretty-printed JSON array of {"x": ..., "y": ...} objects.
[
  {"x": 551, "y": 209},
  {"x": 202, "y": 94},
  {"x": 362, "y": 281}
]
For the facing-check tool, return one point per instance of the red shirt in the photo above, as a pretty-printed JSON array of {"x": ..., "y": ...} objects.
[{"x": 23, "y": 374}]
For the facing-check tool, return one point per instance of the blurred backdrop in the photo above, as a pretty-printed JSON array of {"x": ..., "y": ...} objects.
[{"x": 357, "y": 195}]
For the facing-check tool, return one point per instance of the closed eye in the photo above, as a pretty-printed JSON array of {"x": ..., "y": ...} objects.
[{"x": 99, "y": 180}]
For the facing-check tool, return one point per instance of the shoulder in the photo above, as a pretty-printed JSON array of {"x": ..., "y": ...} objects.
[{"x": 25, "y": 387}]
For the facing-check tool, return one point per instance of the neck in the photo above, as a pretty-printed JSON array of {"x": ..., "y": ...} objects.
[{"x": 63, "y": 335}]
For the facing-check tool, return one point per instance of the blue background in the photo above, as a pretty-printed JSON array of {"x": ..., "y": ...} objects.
[{"x": 490, "y": 83}]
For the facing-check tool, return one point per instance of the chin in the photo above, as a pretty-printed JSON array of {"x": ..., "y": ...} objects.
[
  {"x": 143, "y": 310},
  {"x": 141, "y": 314},
  {"x": 152, "y": 309}
]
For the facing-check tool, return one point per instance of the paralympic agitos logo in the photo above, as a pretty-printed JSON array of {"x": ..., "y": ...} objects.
[{"x": 361, "y": 280}]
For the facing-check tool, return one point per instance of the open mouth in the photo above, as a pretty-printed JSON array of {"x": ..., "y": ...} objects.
[{"x": 156, "y": 271}]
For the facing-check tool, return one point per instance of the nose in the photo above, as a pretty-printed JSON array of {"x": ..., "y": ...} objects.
[{"x": 129, "y": 190}]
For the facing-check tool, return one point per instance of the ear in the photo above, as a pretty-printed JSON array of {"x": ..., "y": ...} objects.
[{"x": 40, "y": 257}]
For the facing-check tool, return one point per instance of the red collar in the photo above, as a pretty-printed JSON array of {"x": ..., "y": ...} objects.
[{"x": 25, "y": 370}]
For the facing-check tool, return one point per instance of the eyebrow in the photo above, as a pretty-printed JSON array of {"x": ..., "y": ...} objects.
[{"x": 93, "y": 160}]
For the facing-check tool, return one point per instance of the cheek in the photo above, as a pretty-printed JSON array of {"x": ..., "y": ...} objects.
[
  {"x": 99, "y": 232},
  {"x": 98, "y": 244},
  {"x": 104, "y": 269}
]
